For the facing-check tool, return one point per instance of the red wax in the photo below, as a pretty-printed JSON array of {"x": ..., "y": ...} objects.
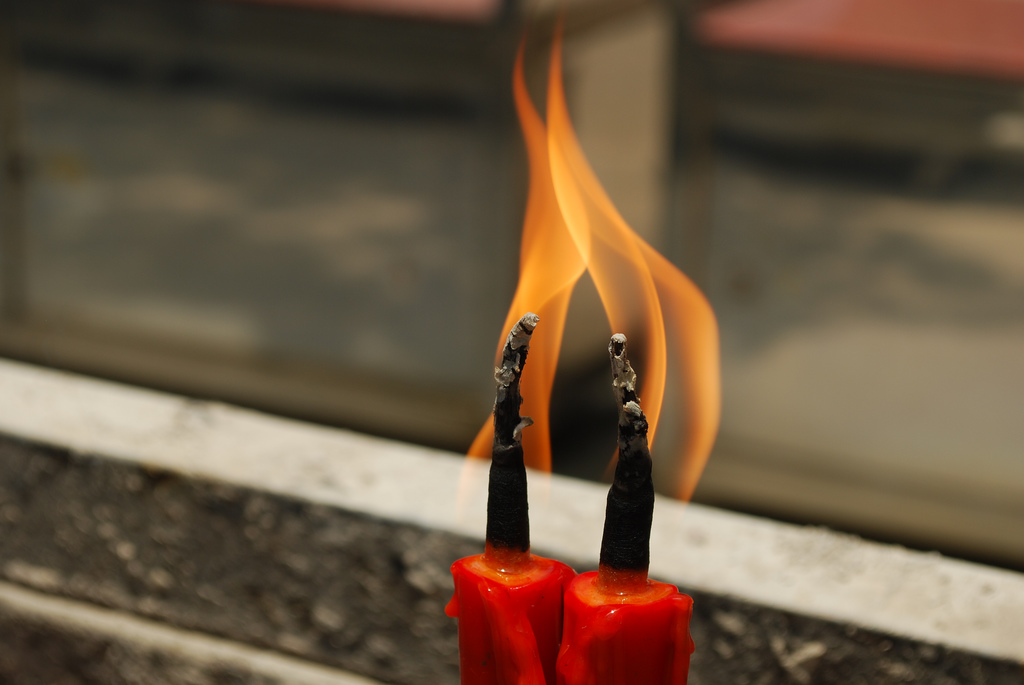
[
  {"x": 627, "y": 634},
  {"x": 510, "y": 617}
]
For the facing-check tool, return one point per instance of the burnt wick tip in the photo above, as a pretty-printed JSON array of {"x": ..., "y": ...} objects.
[
  {"x": 623, "y": 376},
  {"x": 521, "y": 332},
  {"x": 617, "y": 346},
  {"x": 513, "y": 355}
]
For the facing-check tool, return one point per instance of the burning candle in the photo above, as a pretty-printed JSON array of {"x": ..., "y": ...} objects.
[
  {"x": 509, "y": 602},
  {"x": 620, "y": 627}
]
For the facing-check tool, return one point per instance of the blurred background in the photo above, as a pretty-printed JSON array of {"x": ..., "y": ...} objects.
[{"x": 312, "y": 207}]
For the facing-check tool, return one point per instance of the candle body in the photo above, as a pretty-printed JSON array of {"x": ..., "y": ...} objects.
[
  {"x": 636, "y": 638},
  {"x": 510, "y": 623}
]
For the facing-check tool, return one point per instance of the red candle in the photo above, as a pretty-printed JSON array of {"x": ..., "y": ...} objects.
[
  {"x": 508, "y": 601},
  {"x": 617, "y": 635},
  {"x": 510, "y": 617},
  {"x": 620, "y": 627}
]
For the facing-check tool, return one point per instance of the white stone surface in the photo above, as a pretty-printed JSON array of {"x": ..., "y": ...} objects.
[
  {"x": 193, "y": 648},
  {"x": 806, "y": 570}
]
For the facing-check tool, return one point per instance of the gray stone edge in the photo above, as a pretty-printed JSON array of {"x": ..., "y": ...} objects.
[
  {"x": 48, "y": 638},
  {"x": 807, "y": 571},
  {"x": 353, "y": 591}
]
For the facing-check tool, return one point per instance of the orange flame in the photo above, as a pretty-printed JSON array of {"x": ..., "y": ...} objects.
[{"x": 571, "y": 226}]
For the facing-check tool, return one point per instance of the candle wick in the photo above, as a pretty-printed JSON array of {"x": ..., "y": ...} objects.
[
  {"x": 508, "y": 521},
  {"x": 625, "y": 546}
]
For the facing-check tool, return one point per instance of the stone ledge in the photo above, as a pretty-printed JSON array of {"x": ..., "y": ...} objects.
[
  {"x": 318, "y": 582},
  {"x": 334, "y": 547},
  {"x": 51, "y": 640}
]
